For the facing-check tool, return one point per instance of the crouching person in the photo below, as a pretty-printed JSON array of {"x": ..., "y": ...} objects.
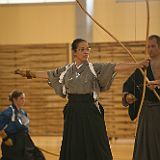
[{"x": 16, "y": 141}]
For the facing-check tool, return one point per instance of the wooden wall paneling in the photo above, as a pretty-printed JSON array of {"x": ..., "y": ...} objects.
[
  {"x": 44, "y": 107},
  {"x": 116, "y": 116}
]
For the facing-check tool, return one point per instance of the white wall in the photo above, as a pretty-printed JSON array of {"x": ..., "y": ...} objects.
[
  {"x": 28, "y": 24},
  {"x": 126, "y": 21},
  {"x": 37, "y": 23}
]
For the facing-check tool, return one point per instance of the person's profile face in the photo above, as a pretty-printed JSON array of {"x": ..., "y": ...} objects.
[
  {"x": 20, "y": 101},
  {"x": 153, "y": 48}
]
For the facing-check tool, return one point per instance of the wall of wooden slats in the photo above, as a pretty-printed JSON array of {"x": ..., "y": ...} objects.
[
  {"x": 116, "y": 116},
  {"x": 44, "y": 108}
]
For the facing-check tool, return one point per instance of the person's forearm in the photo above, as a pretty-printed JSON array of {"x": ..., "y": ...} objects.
[
  {"x": 32, "y": 74},
  {"x": 40, "y": 74},
  {"x": 122, "y": 67}
]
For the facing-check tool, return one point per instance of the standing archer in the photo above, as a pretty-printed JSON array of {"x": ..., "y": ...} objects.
[
  {"x": 147, "y": 142},
  {"x": 84, "y": 135}
]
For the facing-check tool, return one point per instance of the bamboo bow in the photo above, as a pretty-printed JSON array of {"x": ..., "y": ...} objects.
[
  {"x": 146, "y": 54},
  {"x": 122, "y": 45}
]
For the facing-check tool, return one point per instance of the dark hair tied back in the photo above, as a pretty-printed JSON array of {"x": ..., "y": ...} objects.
[
  {"x": 76, "y": 42},
  {"x": 15, "y": 94}
]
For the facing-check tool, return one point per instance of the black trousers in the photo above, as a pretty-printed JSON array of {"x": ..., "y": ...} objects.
[
  {"x": 23, "y": 149},
  {"x": 84, "y": 135}
]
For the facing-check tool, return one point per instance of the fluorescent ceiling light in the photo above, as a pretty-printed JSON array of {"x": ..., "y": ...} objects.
[{"x": 32, "y": 1}]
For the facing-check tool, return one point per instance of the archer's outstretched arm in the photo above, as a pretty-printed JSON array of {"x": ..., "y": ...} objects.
[
  {"x": 32, "y": 74},
  {"x": 122, "y": 67}
]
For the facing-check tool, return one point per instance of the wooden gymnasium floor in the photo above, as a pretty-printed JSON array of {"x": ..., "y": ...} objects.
[{"x": 121, "y": 149}]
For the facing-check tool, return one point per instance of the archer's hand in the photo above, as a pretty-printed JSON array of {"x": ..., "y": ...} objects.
[
  {"x": 25, "y": 73},
  {"x": 8, "y": 141},
  {"x": 153, "y": 84},
  {"x": 20, "y": 72},
  {"x": 3, "y": 134},
  {"x": 130, "y": 98},
  {"x": 144, "y": 63}
]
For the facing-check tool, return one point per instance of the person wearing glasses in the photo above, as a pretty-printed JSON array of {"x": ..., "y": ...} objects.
[
  {"x": 147, "y": 141},
  {"x": 16, "y": 141},
  {"x": 84, "y": 134}
]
